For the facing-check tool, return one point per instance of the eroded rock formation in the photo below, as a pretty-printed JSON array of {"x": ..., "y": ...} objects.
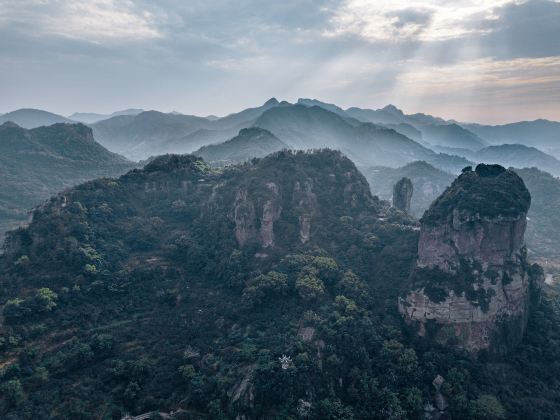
[
  {"x": 472, "y": 285},
  {"x": 402, "y": 194},
  {"x": 271, "y": 213}
]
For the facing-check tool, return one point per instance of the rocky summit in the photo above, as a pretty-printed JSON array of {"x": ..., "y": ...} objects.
[{"x": 472, "y": 286}]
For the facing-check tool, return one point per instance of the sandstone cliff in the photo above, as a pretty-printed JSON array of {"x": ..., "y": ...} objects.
[{"x": 472, "y": 285}]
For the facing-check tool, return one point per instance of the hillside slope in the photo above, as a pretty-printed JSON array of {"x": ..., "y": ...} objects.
[{"x": 37, "y": 163}]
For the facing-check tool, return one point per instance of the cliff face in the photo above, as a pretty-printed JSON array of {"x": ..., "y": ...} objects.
[
  {"x": 263, "y": 210},
  {"x": 472, "y": 285},
  {"x": 402, "y": 194}
]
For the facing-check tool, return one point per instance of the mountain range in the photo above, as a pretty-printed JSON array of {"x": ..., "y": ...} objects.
[
  {"x": 140, "y": 134},
  {"x": 92, "y": 117},
  {"x": 32, "y": 118}
]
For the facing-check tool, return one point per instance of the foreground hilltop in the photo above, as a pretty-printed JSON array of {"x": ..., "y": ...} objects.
[
  {"x": 179, "y": 287},
  {"x": 263, "y": 290}
]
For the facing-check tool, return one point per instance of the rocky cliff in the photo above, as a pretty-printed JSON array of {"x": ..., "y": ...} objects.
[
  {"x": 402, "y": 194},
  {"x": 472, "y": 285}
]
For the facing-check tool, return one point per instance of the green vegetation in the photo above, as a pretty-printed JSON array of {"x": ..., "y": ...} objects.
[
  {"x": 489, "y": 191},
  {"x": 132, "y": 295},
  {"x": 36, "y": 164}
]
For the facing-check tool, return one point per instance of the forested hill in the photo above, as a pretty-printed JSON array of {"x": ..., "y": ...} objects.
[
  {"x": 263, "y": 290},
  {"x": 37, "y": 163}
]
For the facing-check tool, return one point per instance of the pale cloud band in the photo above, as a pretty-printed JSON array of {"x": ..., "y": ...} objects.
[{"x": 172, "y": 54}]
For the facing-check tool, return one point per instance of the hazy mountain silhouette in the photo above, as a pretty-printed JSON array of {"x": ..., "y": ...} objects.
[
  {"x": 92, "y": 117},
  {"x": 32, "y": 118},
  {"x": 304, "y": 127},
  {"x": 250, "y": 143},
  {"x": 519, "y": 156},
  {"x": 543, "y": 134},
  {"x": 142, "y": 135},
  {"x": 151, "y": 132},
  {"x": 451, "y": 135}
]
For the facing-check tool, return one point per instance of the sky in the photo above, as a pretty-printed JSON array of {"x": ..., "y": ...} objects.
[{"x": 491, "y": 61}]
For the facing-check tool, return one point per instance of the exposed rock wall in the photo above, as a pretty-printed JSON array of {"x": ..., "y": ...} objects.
[
  {"x": 402, "y": 194},
  {"x": 306, "y": 201},
  {"x": 244, "y": 217},
  {"x": 271, "y": 213},
  {"x": 472, "y": 284}
]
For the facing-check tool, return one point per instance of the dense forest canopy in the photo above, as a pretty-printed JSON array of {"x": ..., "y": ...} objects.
[{"x": 133, "y": 295}]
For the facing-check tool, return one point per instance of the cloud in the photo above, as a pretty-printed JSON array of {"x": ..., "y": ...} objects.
[
  {"x": 397, "y": 20},
  {"x": 91, "y": 20},
  {"x": 174, "y": 54},
  {"x": 527, "y": 29}
]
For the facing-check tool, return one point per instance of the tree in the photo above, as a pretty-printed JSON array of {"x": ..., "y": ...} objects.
[
  {"x": 327, "y": 268},
  {"x": 333, "y": 410},
  {"x": 309, "y": 287},
  {"x": 16, "y": 310},
  {"x": 264, "y": 285},
  {"x": 13, "y": 391},
  {"x": 487, "y": 407},
  {"x": 45, "y": 299},
  {"x": 353, "y": 287}
]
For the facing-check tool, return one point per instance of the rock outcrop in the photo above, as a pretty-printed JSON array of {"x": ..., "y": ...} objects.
[
  {"x": 278, "y": 203},
  {"x": 271, "y": 213},
  {"x": 472, "y": 285},
  {"x": 402, "y": 194},
  {"x": 306, "y": 201},
  {"x": 244, "y": 217}
]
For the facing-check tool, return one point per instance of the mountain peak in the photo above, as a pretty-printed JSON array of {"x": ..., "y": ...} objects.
[
  {"x": 9, "y": 124},
  {"x": 490, "y": 191},
  {"x": 271, "y": 101},
  {"x": 171, "y": 162},
  {"x": 392, "y": 109}
]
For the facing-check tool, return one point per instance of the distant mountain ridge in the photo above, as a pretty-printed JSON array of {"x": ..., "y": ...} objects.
[
  {"x": 32, "y": 118},
  {"x": 250, "y": 143},
  {"x": 152, "y": 132},
  {"x": 92, "y": 117},
  {"x": 543, "y": 134},
  {"x": 140, "y": 134},
  {"x": 519, "y": 156}
]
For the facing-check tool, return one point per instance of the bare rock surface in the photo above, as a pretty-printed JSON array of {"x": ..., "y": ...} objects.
[
  {"x": 472, "y": 284},
  {"x": 402, "y": 194}
]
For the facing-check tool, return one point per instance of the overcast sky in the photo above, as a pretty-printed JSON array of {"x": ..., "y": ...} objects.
[{"x": 472, "y": 60}]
